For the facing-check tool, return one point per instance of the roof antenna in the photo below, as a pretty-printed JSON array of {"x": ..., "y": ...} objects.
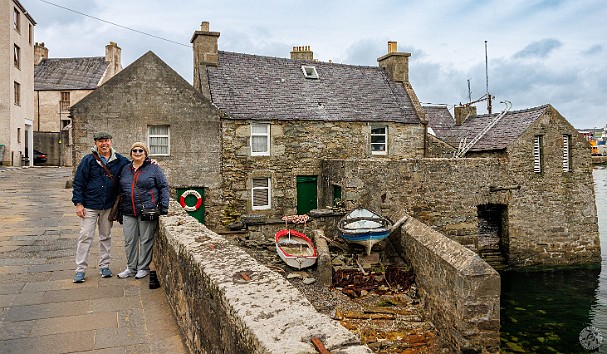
[
  {"x": 487, "y": 81},
  {"x": 469, "y": 92}
]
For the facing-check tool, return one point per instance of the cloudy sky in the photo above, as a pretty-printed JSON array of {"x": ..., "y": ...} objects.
[{"x": 539, "y": 51}]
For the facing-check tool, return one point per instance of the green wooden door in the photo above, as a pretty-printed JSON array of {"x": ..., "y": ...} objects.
[
  {"x": 306, "y": 194},
  {"x": 192, "y": 201}
]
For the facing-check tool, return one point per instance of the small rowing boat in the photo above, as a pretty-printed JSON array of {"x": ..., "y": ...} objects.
[
  {"x": 295, "y": 249},
  {"x": 364, "y": 227}
]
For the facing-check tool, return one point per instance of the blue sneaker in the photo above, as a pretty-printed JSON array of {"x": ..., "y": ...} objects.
[
  {"x": 79, "y": 277},
  {"x": 106, "y": 272}
]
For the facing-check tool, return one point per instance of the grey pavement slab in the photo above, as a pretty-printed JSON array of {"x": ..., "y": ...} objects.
[{"x": 41, "y": 309}]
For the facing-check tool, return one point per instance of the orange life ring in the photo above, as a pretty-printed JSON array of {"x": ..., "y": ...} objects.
[{"x": 187, "y": 193}]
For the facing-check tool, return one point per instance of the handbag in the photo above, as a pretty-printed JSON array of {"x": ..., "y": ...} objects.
[
  {"x": 149, "y": 214},
  {"x": 116, "y": 211}
]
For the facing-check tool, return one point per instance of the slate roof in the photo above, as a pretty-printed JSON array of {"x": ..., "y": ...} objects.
[
  {"x": 69, "y": 73},
  {"x": 439, "y": 119},
  {"x": 506, "y": 131},
  {"x": 266, "y": 88}
]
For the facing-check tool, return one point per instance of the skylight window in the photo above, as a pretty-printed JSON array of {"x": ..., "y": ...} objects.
[{"x": 309, "y": 72}]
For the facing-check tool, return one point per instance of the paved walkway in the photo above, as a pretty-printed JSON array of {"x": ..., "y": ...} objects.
[{"x": 41, "y": 310}]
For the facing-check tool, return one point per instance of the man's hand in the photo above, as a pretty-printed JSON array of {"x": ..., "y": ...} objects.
[{"x": 80, "y": 210}]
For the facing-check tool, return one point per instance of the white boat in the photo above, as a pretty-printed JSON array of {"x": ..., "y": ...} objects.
[{"x": 295, "y": 249}]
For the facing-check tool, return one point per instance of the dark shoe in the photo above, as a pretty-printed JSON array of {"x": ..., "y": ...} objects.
[{"x": 154, "y": 283}]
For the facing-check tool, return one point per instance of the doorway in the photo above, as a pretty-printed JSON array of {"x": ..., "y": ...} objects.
[
  {"x": 307, "y": 195},
  {"x": 493, "y": 242}
]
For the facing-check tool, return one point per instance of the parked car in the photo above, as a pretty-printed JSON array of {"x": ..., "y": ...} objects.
[{"x": 39, "y": 157}]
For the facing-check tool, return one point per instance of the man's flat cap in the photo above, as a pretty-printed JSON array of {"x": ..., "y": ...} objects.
[{"x": 102, "y": 135}]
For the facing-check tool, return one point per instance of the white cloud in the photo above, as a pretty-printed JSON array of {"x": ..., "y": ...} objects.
[{"x": 540, "y": 51}]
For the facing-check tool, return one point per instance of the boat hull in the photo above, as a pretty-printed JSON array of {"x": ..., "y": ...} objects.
[
  {"x": 295, "y": 249},
  {"x": 364, "y": 227}
]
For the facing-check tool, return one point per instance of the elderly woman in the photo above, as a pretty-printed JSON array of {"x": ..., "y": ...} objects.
[{"x": 142, "y": 186}]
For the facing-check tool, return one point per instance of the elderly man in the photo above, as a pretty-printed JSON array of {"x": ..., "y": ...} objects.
[{"x": 95, "y": 189}]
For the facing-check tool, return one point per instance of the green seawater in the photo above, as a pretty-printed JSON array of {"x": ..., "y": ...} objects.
[{"x": 544, "y": 312}]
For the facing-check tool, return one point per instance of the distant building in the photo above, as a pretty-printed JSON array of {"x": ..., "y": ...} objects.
[
  {"x": 16, "y": 84},
  {"x": 58, "y": 84}
]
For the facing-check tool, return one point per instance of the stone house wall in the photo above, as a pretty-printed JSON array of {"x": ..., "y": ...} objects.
[
  {"x": 149, "y": 92},
  {"x": 553, "y": 219},
  {"x": 297, "y": 149},
  {"x": 47, "y": 115}
]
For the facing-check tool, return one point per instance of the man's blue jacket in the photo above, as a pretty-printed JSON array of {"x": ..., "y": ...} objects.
[{"x": 93, "y": 188}]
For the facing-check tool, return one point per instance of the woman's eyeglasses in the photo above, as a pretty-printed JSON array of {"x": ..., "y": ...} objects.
[{"x": 137, "y": 151}]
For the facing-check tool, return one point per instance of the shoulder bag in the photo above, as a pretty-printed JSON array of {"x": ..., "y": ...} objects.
[
  {"x": 116, "y": 211},
  {"x": 147, "y": 214}
]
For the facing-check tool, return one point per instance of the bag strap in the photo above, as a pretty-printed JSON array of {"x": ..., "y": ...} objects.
[{"x": 107, "y": 170}]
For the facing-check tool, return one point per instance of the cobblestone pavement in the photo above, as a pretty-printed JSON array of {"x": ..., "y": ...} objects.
[{"x": 41, "y": 310}]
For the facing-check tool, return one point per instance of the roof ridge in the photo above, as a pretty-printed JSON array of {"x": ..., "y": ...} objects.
[
  {"x": 524, "y": 110},
  {"x": 299, "y": 60}
]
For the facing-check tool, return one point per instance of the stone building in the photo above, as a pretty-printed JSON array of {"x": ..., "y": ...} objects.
[
  {"x": 60, "y": 83},
  {"x": 537, "y": 207},
  {"x": 282, "y": 117},
  {"x": 148, "y": 101},
  {"x": 16, "y": 84}
]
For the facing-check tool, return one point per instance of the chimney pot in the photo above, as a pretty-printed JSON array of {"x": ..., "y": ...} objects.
[
  {"x": 204, "y": 26},
  {"x": 392, "y": 47}
]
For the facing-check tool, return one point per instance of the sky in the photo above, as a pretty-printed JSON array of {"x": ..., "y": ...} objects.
[{"x": 527, "y": 52}]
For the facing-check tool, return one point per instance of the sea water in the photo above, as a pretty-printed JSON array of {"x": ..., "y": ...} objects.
[{"x": 545, "y": 312}]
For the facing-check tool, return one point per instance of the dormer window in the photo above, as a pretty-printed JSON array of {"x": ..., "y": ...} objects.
[{"x": 309, "y": 72}]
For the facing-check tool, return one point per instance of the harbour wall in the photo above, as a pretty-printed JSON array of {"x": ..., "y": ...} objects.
[
  {"x": 225, "y": 301},
  {"x": 461, "y": 292}
]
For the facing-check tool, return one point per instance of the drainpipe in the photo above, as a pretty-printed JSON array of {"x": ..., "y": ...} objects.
[{"x": 425, "y": 124}]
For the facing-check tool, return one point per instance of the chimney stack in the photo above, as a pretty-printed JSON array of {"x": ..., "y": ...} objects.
[
  {"x": 113, "y": 56},
  {"x": 395, "y": 64},
  {"x": 302, "y": 53},
  {"x": 40, "y": 52},
  {"x": 462, "y": 112},
  {"x": 206, "y": 52}
]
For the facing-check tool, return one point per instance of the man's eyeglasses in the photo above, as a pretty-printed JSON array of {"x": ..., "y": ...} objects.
[{"x": 137, "y": 151}]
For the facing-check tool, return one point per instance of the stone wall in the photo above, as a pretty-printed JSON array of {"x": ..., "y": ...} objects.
[
  {"x": 227, "y": 302},
  {"x": 461, "y": 292},
  {"x": 446, "y": 193}
]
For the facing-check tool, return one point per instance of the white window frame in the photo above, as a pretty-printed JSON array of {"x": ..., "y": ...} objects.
[
  {"x": 309, "y": 72},
  {"x": 538, "y": 158},
  {"x": 255, "y": 135},
  {"x": 256, "y": 190},
  {"x": 17, "y": 56},
  {"x": 153, "y": 146},
  {"x": 384, "y": 144},
  {"x": 566, "y": 153},
  {"x": 17, "y": 20}
]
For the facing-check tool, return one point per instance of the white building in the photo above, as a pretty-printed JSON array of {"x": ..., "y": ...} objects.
[{"x": 16, "y": 84}]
